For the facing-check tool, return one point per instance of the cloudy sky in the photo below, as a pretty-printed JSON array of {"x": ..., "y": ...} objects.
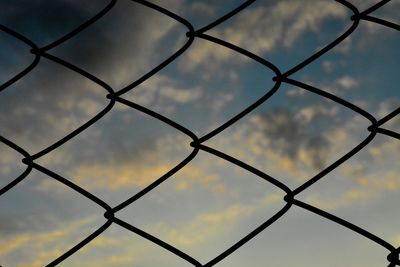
[{"x": 210, "y": 204}]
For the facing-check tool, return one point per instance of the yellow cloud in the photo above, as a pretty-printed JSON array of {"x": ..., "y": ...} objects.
[
  {"x": 100, "y": 242},
  {"x": 44, "y": 246},
  {"x": 142, "y": 171},
  {"x": 271, "y": 199},
  {"x": 229, "y": 215},
  {"x": 368, "y": 186},
  {"x": 212, "y": 225},
  {"x": 43, "y": 257},
  {"x": 9, "y": 245},
  {"x": 348, "y": 198},
  {"x": 206, "y": 226},
  {"x": 115, "y": 177},
  {"x": 120, "y": 260},
  {"x": 396, "y": 240},
  {"x": 388, "y": 181},
  {"x": 111, "y": 248}
]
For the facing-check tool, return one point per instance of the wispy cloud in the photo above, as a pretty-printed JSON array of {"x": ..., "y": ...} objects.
[
  {"x": 164, "y": 94},
  {"x": 203, "y": 228},
  {"x": 285, "y": 21},
  {"x": 337, "y": 86},
  {"x": 135, "y": 168},
  {"x": 39, "y": 249},
  {"x": 209, "y": 226},
  {"x": 371, "y": 175}
]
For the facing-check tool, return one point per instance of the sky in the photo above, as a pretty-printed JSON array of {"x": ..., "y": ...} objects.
[{"x": 209, "y": 204}]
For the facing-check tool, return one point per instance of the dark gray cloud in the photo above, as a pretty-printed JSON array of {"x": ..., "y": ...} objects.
[
  {"x": 9, "y": 225},
  {"x": 45, "y": 105},
  {"x": 43, "y": 20},
  {"x": 48, "y": 103},
  {"x": 112, "y": 142},
  {"x": 318, "y": 147},
  {"x": 33, "y": 108},
  {"x": 284, "y": 130},
  {"x": 14, "y": 224},
  {"x": 289, "y": 132},
  {"x": 116, "y": 42}
]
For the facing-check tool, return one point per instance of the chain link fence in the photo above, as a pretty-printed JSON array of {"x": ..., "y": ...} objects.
[{"x": 197, "y": 144}]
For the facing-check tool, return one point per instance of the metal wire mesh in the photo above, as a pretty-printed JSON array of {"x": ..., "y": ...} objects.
[{"x": 197, "y": 142}]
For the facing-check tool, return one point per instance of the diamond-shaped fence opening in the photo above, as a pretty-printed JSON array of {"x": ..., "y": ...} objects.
[
  {"x": 205, "y": 226},
  {"x": 196, "y": 143}
]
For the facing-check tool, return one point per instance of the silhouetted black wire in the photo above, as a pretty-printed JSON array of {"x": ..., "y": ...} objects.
[
  {"x": 365, "y": 15},
  {"x": 375, "y": 7},
  {"x": 329, "y": 46},
  {"x": 253, "y": 106},
  {"x": 197, "y": 142},
  {"x": 172, "y": 57},
  {"x": 170, "y": 172},
  {"x": 27, "y": 69},
  {"x": 157, "y": 241},
  {"x": 80, "y": 28},
  {"x": 88, "y": 123},
  {"x": 22, "y": 176},
  {"x": 388, "y": 117},
  {"x": 349, "y": 154},
  {"x": 225, "y": 17}
]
